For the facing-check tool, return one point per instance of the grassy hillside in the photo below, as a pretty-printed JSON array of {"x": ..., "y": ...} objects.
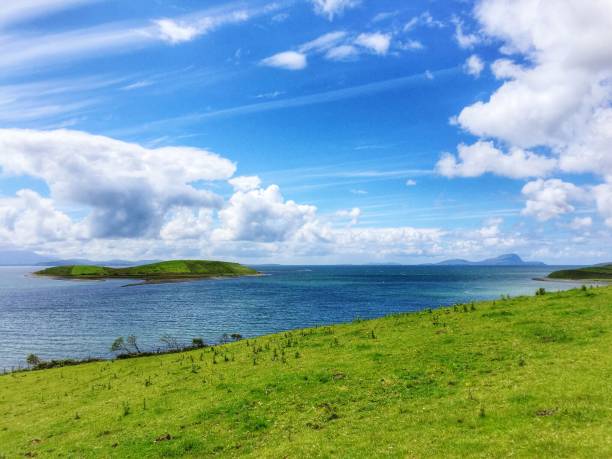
[
  {"x": 523, "y": 377},
  {"x": 591, "y": 273},
  {"x": 175, "y": 269}
]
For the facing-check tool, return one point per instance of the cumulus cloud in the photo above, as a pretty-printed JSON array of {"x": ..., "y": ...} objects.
[
  {"x": 377, "y": 42},
  {"x": 29, "y": 219},
  {"x": 555, "y": 94},
  {"x": 483, "y": 157},
  {"x": 548, "y": 199},
  {"x": 127, "y": 189},
  {"x": 333, "y": 8},
  {"x": 473, "y": 66},
  {"x": 288, "y": 60},
  {"x": 411, "y": 182},
  {"x": 187, "y": 223},
  {"x": 565, "y": 89},
  {"x": 262, "y": 215}
]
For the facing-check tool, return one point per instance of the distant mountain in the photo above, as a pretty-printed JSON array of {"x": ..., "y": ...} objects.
[
  {"x": 509, "y": 259},
  {"x": 21, "y": 258},
  {"x": 81, "y": 261},
  {"x": 382, "y": 263}
]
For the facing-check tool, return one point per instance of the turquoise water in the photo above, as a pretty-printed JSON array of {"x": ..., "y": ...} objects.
[{"x": 77, "y": 319}]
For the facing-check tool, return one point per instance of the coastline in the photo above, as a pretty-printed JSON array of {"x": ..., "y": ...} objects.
[{"x": 514, "y": 368}]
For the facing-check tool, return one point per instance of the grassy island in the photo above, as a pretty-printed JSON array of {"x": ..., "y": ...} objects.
[
  {"x": 165, "y": 270},
  {"x": 519, "y": 377},
  {"x": 600, "y": 272}
]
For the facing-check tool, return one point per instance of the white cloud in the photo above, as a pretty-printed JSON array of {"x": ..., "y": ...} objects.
[
  {"x": 410, "y": 45},
  {"x": 174, "y": 32},
  {"x": 558, "y": 98},
  {"x": 473, "y": 66},
  {"x": 465, "y": 40},
  {"x": 28, "y": 219},
  {"x": 28, "y": 51},
  {"x": 376, "y": 42},
  {"x": 579, "y": 223},
  {"x": 336, "y": 46},
  {"x": 352, "y": 214},
  {"x": 333, "y": 8},
  {"x": 126, "y": 189},
  {"x": 548, "y": 199},
  {"x": 342, "y": 53},
  {"x": 565, "y": 90},
  {"x": 424, "y": 19},
  {"x": 483, "y": 157},
  {"x": 603, "y": 198},
  {"x": 289, "y": 60},
  {"x": 262, "y": 215},
  {"x": 14, "y": 12},
  {"x": 324, "y": 42},
  {"x": 187, "y": 223},
  {"x": 245, "y": 183},
  {"x": 411, "y": 182}
]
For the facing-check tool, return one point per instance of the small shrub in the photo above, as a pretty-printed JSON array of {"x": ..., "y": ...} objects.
[
  {"x": 198, "y": 342},
  {"x": 33, "y": 360},
  {"x": 541, "y": 291}
]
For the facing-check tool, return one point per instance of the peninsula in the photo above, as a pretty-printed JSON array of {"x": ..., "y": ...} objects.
[
  {"x": 162, "y": 271},
  {"x": 598, "y": 272}
]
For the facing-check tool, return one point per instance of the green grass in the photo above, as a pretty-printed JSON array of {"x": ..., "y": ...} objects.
[
  {"x": 602, "y": 272},
  {"x": 175, "y": 269},
  {"x": 521, "y": 377}
]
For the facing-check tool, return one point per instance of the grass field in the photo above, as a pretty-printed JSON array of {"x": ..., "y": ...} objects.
[
  {"x": 174, "y": 269},
  {"x": 602, "y": 272},
  {"x": 522, "y": 377}
]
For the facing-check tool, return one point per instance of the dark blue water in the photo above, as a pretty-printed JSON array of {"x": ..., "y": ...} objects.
[{"x": 77, "y": 319}]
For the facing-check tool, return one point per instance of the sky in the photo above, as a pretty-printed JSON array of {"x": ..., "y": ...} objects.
[{"x": 307, "y": 131}]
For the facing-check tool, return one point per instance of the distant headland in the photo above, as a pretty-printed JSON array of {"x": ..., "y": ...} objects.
[
  {"x": 592, "y": 273},
  {"x": 509, "y": 259},
  {"x": 153, "y": 272}
]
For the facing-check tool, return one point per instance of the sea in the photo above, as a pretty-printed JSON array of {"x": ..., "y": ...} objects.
[{"x": 58, "y": 319}]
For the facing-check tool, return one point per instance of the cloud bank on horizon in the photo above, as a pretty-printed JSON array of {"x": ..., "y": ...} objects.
[{"x": 307, "y": 131}]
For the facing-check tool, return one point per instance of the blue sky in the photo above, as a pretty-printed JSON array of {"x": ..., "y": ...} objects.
[{"x": 371, "y": 130}]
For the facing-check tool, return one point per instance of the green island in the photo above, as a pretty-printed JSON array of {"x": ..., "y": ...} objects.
[
  {"x": 520, "y": 377},
  {"x": 595, "y": 273},
  {"x": 162, "y": 271}
]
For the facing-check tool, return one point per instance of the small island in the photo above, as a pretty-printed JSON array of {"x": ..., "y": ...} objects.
[
  {"x": 165, "y": 271},
  {"x": 593, "y": 273}
]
